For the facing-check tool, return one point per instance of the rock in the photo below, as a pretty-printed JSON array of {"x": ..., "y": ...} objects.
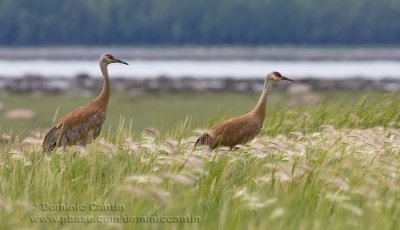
[
  {"x": 23, "y": 114},
  {"x": 303, "y": 94},
  {"x": 296, "y": 89}
]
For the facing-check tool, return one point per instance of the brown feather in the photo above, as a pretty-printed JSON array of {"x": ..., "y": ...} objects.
[
  {"x": 80, "y": 126},
  {"x": 236, "y": 131}
]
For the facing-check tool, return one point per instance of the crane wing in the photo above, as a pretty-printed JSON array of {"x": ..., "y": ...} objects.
[
  {"x": 78, "y": 127},
  {"x": 236, "y": 130},
  {"x": 84, "y": 130}
]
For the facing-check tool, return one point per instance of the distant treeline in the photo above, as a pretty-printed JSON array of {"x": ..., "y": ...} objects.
[{"x": 202, "y": 22}]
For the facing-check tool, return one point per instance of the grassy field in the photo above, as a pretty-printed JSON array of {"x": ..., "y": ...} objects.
[{"x": 334, "y": 164}]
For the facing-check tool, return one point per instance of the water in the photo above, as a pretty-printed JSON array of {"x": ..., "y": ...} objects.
[{"x": 200, "y": 69}]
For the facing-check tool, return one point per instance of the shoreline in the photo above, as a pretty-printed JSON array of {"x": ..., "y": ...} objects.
[{"x": 84, "y": 84}]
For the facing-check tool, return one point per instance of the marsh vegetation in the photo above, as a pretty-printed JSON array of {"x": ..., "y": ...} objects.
[{"x": 327, "y": 165}]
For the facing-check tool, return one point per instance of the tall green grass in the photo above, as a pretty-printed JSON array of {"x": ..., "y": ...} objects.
[{"x": 330, "y": 165}]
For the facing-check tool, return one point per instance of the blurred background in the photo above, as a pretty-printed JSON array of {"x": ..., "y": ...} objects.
[{"x": 200, "y": 60}]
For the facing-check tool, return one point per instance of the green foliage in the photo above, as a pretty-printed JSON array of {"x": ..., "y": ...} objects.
[{"x": 95, "y": 22}]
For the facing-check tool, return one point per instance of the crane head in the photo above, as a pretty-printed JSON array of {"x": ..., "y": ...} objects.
[
  {"x": 276, "y": 76},
  {"x": 109, "y": 58}
]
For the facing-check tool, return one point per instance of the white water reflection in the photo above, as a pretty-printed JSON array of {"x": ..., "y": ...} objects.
[{"x": 214, "y": 69}]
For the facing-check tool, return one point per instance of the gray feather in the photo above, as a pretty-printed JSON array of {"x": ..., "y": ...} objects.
[{"x": 50, "y": 140}]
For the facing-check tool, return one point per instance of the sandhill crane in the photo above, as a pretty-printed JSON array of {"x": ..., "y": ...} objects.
[
  {"x": 240, "y": 130},
  {"x": 84, "y": 124}
]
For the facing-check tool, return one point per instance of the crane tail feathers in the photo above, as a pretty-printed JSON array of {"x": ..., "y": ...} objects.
[
  {"x": 202, "y": 140},
  {"x": 50, "y": 140}
]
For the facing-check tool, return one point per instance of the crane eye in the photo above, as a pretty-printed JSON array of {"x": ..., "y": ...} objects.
[
  {"x": 277, "y": 74},
  {"x": 110, "y": 56}
]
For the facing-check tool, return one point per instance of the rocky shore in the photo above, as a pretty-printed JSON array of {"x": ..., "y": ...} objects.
[{"x": 84, "y": 84}]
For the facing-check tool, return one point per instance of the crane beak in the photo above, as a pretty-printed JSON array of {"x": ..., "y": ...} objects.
[
  {"x": 287, "y": 79},
  {"x": 119, "y": 61}
]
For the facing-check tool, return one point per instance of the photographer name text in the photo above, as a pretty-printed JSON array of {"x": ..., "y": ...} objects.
[{"x": 111, "y": 207}]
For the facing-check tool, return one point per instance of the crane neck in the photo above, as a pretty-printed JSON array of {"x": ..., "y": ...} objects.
[
  {"x": 260, "y": 108},
  {"x": 104, "y": 95}
]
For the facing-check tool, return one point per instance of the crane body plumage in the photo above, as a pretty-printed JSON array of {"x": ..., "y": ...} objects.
[
  {"x": 242, "y": 129},
  {"x": 84, "y": 124}
]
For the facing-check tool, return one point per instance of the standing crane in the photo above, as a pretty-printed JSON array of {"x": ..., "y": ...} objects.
[
  {"x": 240, "y": 130},
  {"x": 84, "y": 124}
]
